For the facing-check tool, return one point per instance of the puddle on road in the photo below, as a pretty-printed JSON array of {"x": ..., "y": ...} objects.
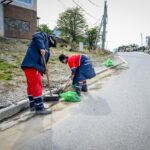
[
  {"x": 26, "y": 115},
  {"x": 62, "y": 105}
]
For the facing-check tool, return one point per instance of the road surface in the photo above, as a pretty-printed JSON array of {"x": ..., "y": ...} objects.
[{"x": 113, "y": 115}]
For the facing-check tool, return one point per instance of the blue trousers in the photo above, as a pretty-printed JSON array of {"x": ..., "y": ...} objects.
[{"x": 80, "y": 86}]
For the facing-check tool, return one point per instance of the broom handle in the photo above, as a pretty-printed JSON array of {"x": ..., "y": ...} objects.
[
  {"x": 66, "y": 85},
  {"x": 48, "y": 81}
]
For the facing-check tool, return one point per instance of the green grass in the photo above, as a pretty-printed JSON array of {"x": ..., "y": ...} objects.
[
  {"x": 6, "y": 70},
  {"x": 5, "y": 76}
]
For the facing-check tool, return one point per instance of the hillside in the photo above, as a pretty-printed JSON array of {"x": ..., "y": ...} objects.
[{"x": 12, "y": 80}]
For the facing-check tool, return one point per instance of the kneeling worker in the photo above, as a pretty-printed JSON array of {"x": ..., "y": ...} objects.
[{"x": 81, "y": 68}]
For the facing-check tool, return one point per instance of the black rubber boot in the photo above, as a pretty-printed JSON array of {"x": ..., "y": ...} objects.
[
  {"x": 84, "y": 87},
  {"x": 31, "y": 103},
  {"x": 44, "y": 112},
  {"x": 39, "y": 106}
]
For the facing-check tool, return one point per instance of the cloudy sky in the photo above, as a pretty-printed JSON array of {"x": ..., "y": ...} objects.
[{"x": 127, "y": 19}]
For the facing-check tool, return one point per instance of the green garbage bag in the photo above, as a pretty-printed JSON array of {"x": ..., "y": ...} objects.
[
  {"x": 108, "y": 62},
  {"x": 70, "y": 96}
]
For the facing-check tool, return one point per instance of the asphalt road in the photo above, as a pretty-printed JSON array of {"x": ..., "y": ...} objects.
[{"x": 113, "y": 115}]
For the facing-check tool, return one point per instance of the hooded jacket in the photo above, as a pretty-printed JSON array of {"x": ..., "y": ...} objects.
[
  {"x": 81, "y": 66},
  {"x": 33, "y": 57}
]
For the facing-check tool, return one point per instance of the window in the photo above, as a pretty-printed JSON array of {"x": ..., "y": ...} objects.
[{"x": 25, "y": 1}]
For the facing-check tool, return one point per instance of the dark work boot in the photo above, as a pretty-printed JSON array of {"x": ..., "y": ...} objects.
[
  {"x": 84, "y": 87},
  {"x": 44, "y": 112},
  {"x": 31, "y": 103},
  {"x": 39, "y": 106},
  {"x": 78, "y": 88}
]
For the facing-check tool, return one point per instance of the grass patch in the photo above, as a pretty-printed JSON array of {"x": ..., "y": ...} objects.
[
  {"x": 52, "y": 62},
  {"x": 6, "y": 70},
  {"x": 52, "y": 59},
  {"x": 5, "y": 76}
]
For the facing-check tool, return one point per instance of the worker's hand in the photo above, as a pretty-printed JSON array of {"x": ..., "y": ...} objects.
[{"x": 42, "y": 52}]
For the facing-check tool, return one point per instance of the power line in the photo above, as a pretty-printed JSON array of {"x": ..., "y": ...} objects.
[
  {"x": 84, "y": 10},
  {"x": 94, "y": 3},
  {"x": 96, "y": 22},
  {"x": 99, "y": 30},
  {"x": 62, "y": 4}
]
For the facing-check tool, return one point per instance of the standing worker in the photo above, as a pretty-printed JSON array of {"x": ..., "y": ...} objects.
[
  {"x": 81, "y": 68},
  {"x": 33, "y": 67}
]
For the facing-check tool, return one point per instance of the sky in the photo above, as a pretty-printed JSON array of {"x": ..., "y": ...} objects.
[{"x": 127, "y": 19}]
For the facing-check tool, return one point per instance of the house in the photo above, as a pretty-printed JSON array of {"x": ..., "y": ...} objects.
[{"x": 18, "y": 18}]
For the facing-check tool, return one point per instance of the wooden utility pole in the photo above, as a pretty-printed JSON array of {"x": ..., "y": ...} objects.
[
  {"x": 104, "y": 26},
  {"x": 101, "y": 35}
]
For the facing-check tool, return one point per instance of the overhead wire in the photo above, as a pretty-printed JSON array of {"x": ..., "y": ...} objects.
[
  {"x": 84, "y": 10},
  {"x": 94, "y": 3},
  {"x": 62, "y": 4}
]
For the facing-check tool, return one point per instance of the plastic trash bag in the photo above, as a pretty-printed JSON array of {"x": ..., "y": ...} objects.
[
  {"x": 108, "y": 62},
  {"x": 70, "y": 96}
]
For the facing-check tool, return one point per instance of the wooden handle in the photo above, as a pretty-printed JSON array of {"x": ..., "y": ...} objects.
[
  {"x": 48, "y": 81},
  {"x": 66, "y": 85}
]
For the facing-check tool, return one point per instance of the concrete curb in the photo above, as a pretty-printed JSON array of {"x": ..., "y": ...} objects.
[
  {"x": 22, "y": 105},
  {"x": 13, "y": 109}
]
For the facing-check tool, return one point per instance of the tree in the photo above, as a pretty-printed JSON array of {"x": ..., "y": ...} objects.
[
  {"x": 91, "y": 36},
  {"x": 45, "y": 28},
  {"x": 72, "y": 24}
]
